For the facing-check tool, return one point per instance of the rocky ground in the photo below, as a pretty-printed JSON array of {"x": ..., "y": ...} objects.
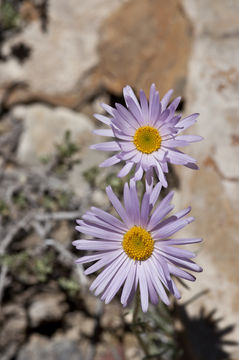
[{"x": 58, "y": 61}]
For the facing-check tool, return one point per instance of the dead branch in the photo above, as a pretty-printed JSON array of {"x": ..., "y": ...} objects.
[
  {"x": 3, "y": 276},
  {"x": 69, "y": 259},
  {"x": 22, "y": 224},
  {"x": 58, "y": 216}
]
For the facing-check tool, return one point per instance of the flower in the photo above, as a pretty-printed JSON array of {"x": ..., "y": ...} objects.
[
  {"x": 136, "y": 250},
  {"x": 146, "y": 135}
]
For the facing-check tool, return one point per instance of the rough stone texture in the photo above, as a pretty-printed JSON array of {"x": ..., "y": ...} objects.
[
  {"x": 61, "y": 57},
  {"x": 213, "y": 90},
  {"x": 44, "y": 127},
  {"x": 40, "y": 348},
  {"x": 46, "y": 307},
  {"x": 14, "y": 327},
  {"x": 144, "y": 42},
  {"x": 78, "y": 325},
  {"x": 217, "y": 18},
  {"x": 93, "y": 50},
  {"x": 112, "y": 316},
  {"x": 132, "y": 348}
]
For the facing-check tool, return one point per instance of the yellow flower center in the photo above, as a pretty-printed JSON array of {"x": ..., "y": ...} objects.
[
  {"x": 147, "y": 139},
  {"x": 138, "y": 243}
]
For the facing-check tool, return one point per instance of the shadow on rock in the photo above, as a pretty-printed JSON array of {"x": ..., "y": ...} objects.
[{"x": 203, "y": 337}]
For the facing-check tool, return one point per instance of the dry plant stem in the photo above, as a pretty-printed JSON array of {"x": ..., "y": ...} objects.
[
  {"x": 3, "y": 275},
  {"x": 22, "y": 224},
  {"x": 134, "y": 323}
]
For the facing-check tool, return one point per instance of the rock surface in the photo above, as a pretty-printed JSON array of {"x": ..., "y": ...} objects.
[
  {"x": 92, "y": 50},
  {"x": 84, "y": 57},
  {"x": 13, "y": 330},
  {"x": 41, "y": 348},
  {"x": 46, "y": 308},
  {"x": 145, "y": 42},
  {"x": 213, "y": 192},
  {"x": 45, "y": 127},
  {"x": 60, "y": 57}
]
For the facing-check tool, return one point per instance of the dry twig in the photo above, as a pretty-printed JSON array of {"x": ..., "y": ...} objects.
[
  {"x": 3, "y": 276},
  {"x": 22, "y": 224}
]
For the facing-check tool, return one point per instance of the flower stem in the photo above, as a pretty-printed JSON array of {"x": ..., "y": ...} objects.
[{"x": 134, "y": 324}]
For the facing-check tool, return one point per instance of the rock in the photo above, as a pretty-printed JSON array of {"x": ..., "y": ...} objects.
[
  {"x": 62, "y": 233},
  {"x": 40, "y": 348},
  {"x": 112, "y": 316},
  {"x": 89, "y": 159},
  {"x": 220, "y": 18},
  {"x": 99, "y": 198},
  {"x": 73, "y": 323},
  {"x": 109, "y": 348},
  {"x": 145, "y": 42},
  {"x": 14, "y": 327},
  {"x": 94, "y": 305},
  {"x": 46, "y": 308},
  {"x": 132, "y": 348},
  {"x": 213, "y": 192},
  {"x": 45, "y": 127},
  {"x": 79, "y": 324},
  {"x": 88, "y": 327},
  {"x": 59, "y": 57}
]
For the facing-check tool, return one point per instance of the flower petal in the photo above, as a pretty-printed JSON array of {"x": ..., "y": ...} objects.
[
  {"x": 103, "y": 119},
  {"x": 165, "y": 99},
  {"x": 126, "y": 169},
  {"x": 117, "y": 205},
  {"x": 130, "y": 280},
  {"x": 144, "y": 294},
  {"x": 104, "y": 132},
  {"x": 169, "y": 229},
  {"x": 106, "y": 146},
  {"x": 110, "y": 161}
]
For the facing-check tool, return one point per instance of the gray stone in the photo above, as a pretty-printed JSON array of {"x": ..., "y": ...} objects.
[
  {"x": 14, "y": 327},
  {"x": 213, "y": 192},
  {"x": 112, "y": 316},
  {"x": 215, "y": 18},
  {"x": 47, "y": 307},
  {"x": 40, "y": 348},
  {"x": 99, "y": 198},
  {"x": 45, "y": 127}
]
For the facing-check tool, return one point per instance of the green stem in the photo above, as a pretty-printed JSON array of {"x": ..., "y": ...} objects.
[{"x": 134, "y": 324}]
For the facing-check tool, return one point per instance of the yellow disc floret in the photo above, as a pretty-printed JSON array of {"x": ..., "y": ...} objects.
[
  {"x": 138, "y": 243},
  {"x": 147, "y": 139}
]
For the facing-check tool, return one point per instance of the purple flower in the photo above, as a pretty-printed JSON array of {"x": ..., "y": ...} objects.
[
  {"x": 146, "y": 135},
  {"x": 136, "y": 250}
]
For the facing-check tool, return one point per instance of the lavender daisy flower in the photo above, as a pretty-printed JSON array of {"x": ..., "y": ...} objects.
[
  {"x": 146, "y": 135},
  {"x": 136, "y": 250}
]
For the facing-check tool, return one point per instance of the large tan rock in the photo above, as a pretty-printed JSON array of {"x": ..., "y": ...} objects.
[{"x": 145, "y": 42}]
